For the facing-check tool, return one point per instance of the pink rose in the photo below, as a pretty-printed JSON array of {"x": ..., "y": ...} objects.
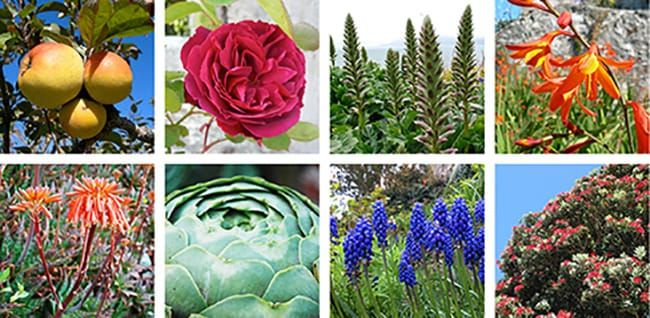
[{"x": 249, "y": 75}]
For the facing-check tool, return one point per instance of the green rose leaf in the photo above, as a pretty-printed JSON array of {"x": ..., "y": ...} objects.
[
  {"x": 173, "y": 135},
  {"x": 180, "y": 10},
  {"x": 277, "y": 11},
  {"x": 303, "y": 131},
  {"x": 172, "y": 101},
  {"x": 306, "y": 36},
  {"x": 280, "y": 142},
  {"x": 235, "y": 139}
]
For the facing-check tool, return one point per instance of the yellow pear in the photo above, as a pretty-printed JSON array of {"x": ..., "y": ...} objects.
[
  {"x": 107, "y": 77},
  {"x": 82, "y": 118},
  {"x": 51, "y": 74}
]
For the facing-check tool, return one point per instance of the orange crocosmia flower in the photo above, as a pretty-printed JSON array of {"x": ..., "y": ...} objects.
[
  {"x": 561, "y": 101},
  {"x": 33, "y": 200},
  {"x": 642, "y": 126},
  {"x": 536, "y": 53},
  {"x": 98, "y": 202},
  {"x": 529, "y": 3},
  {"x": 591, "y": 68}
]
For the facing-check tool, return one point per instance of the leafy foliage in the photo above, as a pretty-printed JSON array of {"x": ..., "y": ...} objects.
[
  {"x": 376, "y": 90},
  {"x": 585, "y": 253}
]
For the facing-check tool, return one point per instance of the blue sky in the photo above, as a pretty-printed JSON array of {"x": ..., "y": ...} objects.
[
  {"x": 506, "y": 11},
  {"x": 143, "y": 71},
  {"x": 527, "y": 188}
]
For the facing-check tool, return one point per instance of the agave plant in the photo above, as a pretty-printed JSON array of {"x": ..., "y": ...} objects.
[{"x": 241, "y": 247}]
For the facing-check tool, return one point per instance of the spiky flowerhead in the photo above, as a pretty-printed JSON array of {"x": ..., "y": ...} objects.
[
  {"x": 464, "y": 70},
  {"x": 410, "y": 61},
  {"x": 354, "y": 77},
  {"x": 460, "y": 227},
  {"x": 34, "y": 200},
  {"x": 406, "y": 273},
  {"x": 379, "y": 222},
  {"x": 433, "y": 111},
  {"x": 440, "y": 213},
  {"x": 332, "y": 52},
  {"x": 479, "y": 212},
  {"x": 98, "y": 201},
  {"x": 394, "y": 84}
]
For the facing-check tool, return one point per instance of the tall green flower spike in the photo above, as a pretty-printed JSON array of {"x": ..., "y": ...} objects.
[
  {"x": 241, "y": 247},
  {"x": 394, "y": 82},
  {"x": 332, "y": 53},
  {"x": 464, "y": 72},
  {"x": 353, "y": 71},
  {"x": 432, "y": 94},
  {"x": 410, "y": 66}
]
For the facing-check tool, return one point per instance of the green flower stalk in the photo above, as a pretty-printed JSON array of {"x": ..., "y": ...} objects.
[
  {"x": 432, "y": 93},
  {"x": 410, "y": 66},
  {"x": 394, "y": 82},
  {"x": 241, "y": 247},
  {"x": 354, "y": 77},
  {"x": 332, "y": 53},
  {"x": 464, "y": 70}
]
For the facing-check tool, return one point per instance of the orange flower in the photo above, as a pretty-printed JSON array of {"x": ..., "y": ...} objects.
[
  {"x": 591, "y": 68},
  {"x": 642, "y": 125},
  {"x": 529, "y": 3},
  {"x": 561, "y": 101},
  {"x": 33, "y": 200},
  {"x": 537, "y": 53},
  {"x": 98, "y": 201}
]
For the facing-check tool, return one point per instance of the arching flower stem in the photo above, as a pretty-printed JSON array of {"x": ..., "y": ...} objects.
[
  {"x": 83, "y": 267},
  {"x": 41, "y": 253},
  {"x": 583, "y": 42}
]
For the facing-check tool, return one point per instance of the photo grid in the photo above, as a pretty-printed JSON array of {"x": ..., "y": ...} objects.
[{"x": 471, "y": 158}]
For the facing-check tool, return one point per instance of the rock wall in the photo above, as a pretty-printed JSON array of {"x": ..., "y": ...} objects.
[{"x": 625, "y": 30}]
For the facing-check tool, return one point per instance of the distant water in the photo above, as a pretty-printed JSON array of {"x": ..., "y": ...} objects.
[{"x": 378, "y": 54}]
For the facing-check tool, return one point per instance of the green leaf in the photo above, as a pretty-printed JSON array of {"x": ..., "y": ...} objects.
[
  {"x": 172, "y": 101},
  {"x": 93, "y": 21},
  {"x": 306, "y": 36},
  {"x": 4, "y": 37},
  {"x": 4, "y": 275},
  {"x": 209, "y": 11},
  {"x": 235, "y": 139},
  {"x": 204, "y": 20},
  {"x": 278, "y": 12},
  {"x": 280, "y": 142},
  {"x": 303, "y": 131},
  {"x": 52, "y": 6},
  {"x": 173, "y": 75},
  {"x": 173, "y": 135},
  {"x": 53, "y": 32},
  {"x": 216, "y": 3},
  {"x": 129, "y": 19},
  {"x": 180, "y": 10},
  {"x": 26, "y": 11}
]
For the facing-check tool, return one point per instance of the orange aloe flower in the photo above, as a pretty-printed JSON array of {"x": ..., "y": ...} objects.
[
  {"x": 529, "y": 3},
  {"x": 33, "y": 200},
  {"x": 591, "y": 68},
  {"x": 98, "y": 202},
  {"x": 537, "y": 53},
  {"x": 642, "y": 126}
]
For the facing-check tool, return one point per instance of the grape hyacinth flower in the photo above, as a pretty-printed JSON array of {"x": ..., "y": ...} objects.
[
  {"x": 481, "y": 271},
  {"x": 412, "y": 250},
  {"x": 379, "y": 222},
  {"x": 417, "y": 223},
  {"x": 479, "y": 212},
  {"x": 406, "y": 273},
  {"x": 434, "y": 238},
  {"x": 449, "y": 250},
  {"x": 471, "y": 251},
  {"x": 440, "y": 213},
  {"x": 334, "y": 231},
  {"x": 461, "y": 228},
  {"x": 364, "y": 230},
  {"x": 352, "y": 255}
]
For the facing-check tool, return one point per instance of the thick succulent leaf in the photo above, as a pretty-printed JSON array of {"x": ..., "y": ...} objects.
[
  {"x": 177, "y": 199},
  {"x": 194, "y": 228},
  {"x": 181, "y": 293},
  {"x": 218, "y": 279},
  {"x": 309, "y": 249},
  {"x": 279, "y": 255},
  {"x": 298, "y": 307},
  {"x": 175, "y": 240},
  {"x": 288, "y": 283}
]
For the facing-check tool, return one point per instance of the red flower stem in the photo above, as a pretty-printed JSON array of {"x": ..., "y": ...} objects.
[
  {"x": 83, "y": 267},
  {"x": 109, "y": 279},
  {"x": 100, "y": 275},
  {"x": 41, "y": 253},
  {"x": 584, "y": 43},
  {"x": 28, "y": 243}
]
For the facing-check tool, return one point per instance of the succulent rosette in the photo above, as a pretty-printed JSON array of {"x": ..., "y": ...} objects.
[
  {"x": 585, "y": 254},
  {"x": 250, "y": 75},
  {"x": 241, "y": 247}
]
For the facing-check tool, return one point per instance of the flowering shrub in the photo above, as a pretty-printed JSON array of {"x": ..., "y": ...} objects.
[{"x": 585, "y": 253}]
